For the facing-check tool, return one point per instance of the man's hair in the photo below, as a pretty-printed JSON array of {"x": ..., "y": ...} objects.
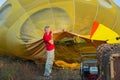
[{"x": 46, "y": 27}]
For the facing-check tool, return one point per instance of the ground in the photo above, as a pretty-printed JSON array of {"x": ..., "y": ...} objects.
[{"x": 12, "y": 68}]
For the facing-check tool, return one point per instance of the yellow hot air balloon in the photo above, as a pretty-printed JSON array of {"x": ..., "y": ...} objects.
[{"x": 22, "y": 22}]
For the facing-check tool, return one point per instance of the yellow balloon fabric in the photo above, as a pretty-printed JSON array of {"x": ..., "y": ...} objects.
[
  {"x": 104, "y": 33},
  {"x": 22, "y": 23}
]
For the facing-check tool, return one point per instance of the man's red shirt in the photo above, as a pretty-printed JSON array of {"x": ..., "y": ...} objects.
[{"x": 47, "y": 38}]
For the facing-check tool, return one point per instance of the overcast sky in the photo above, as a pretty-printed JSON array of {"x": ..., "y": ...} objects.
[{"x": 2, "y": 2}]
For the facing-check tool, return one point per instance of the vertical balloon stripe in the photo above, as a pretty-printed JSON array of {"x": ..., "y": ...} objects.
[{"x": 94, "y": 28}]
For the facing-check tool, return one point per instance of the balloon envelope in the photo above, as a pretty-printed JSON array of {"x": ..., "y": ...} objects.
[{"x": 22, "y": 22}]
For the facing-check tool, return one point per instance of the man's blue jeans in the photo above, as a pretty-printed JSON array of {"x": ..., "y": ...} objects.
[{"x": 49, "y": 62}]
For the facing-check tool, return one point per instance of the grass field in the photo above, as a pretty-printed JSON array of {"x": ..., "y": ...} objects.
[{"x": 12, "y": 68}]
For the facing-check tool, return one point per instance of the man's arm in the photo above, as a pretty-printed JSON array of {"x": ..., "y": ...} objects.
[{"x": 58, "y": 31}]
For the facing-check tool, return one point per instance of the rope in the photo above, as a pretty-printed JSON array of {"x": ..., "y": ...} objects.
[{"x": 96, "y": 12}]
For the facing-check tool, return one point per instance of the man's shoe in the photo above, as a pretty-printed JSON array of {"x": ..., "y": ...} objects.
[{"x": 48, "y": 77}]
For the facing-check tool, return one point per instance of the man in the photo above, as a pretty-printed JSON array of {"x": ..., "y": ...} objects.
[{"x": 49, "y": 42}]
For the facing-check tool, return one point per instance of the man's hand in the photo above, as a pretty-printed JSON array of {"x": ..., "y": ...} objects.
[{"x": 51, "y": 41}]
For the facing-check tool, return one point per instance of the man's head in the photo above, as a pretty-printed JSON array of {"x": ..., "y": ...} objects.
[{"x": 47, "y": 29}]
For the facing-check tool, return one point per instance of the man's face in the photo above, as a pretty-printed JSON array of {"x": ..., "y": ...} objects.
[{"x": 47, "y": 30}]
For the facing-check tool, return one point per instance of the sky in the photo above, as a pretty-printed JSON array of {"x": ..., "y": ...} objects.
[
  {"x": 116, "y": 1},
  {"x": 2, "y": 2}
]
